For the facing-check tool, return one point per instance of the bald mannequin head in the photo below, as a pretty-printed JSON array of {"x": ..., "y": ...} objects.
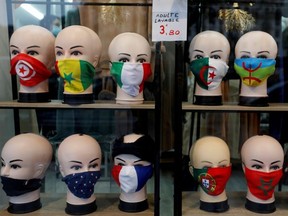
[
  {"x": 30, "y": 152},
  {"x": 35, "y": 41},
  {"x": 78, "y": 42},
  {"x": 131, "y": 47}
]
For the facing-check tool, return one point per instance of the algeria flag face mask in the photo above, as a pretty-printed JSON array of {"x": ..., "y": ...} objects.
[
  {"x": 130, "y": 77},
  {"x": 208, "y": 72}
]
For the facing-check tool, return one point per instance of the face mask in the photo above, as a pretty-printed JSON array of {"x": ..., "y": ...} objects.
[
  {"x": 262, "y": 184},
  {"x": 17, "y": 187},
  {"x": 30, "y": 70},
  {"x": 131, "y": 178},
  {"x": 77, "y": 74},
  {"x": 253, "y": 71},
  {"x": 130, "y": 77},
  {"x": 212, "y": 180},
  {"x": 82, "y": 184},
  {"x": 208, "y": 72}
]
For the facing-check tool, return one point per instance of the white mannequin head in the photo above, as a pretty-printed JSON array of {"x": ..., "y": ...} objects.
[
  {"x": 78, "y": 43},
  {"x": 36, "y": 42},
  {"x": 210, "y": 152},
  {"x": 258, "y": 45},
  {"x": 261, "y": 154},
  {"x": 203, "y": 46},
  {"x": 129, "y": 47},
  {"x": 79, "y": 153},
  {"x": 25, "y": 157}
]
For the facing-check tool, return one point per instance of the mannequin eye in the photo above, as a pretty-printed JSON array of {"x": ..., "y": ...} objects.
[
  {"x": 141, "y": 60},
  {"x": 215, "y": 57},
  {"x": 32, "y": 53},
  {"x": 15, "y": 166},
  {"x": 276, "y": 167},
  {"x": 59, "y": 53},
  {"x": 2, "y": 164},
  {"x": 124, "y": 60},
  {"x": 76, "y": 167},
  {"x": 262, "y": 56},
  {"x": 93, "y": 166},
  {"x": 257, "y": 166},
  {"x": 14, "y": 52},
  {"x": 120, "y": 164},
  {"x": 76, "y": 53},
  {"x": 244, "y": 56},
  {"x": 198, "y": 57}
]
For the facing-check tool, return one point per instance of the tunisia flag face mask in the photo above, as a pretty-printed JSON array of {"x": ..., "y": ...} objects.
[{"x": 30, "y": 70}]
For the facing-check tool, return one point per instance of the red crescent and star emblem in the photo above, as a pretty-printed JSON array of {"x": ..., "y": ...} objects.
[{"x": 211, "y": 74}]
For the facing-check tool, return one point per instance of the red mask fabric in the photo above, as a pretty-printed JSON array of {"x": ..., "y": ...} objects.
[
  {"x": 213, "y": 179},
  {"x": 30, "y": 70},
  {"x": 262, "y": 184}
]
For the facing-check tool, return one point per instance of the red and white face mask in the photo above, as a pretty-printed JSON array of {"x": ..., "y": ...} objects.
[
  {"x": 29, "y": 70},
  {"x": 262, "y": 184}
]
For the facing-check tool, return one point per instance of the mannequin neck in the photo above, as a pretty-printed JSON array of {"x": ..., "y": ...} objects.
[
  {"x": 25, "y": 198},
  {"x": 212, "y": 199},
  {"x": 138, "y": 196}
]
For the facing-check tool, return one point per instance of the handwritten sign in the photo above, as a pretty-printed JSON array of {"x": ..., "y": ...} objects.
[{"x": 169, "y": 20}]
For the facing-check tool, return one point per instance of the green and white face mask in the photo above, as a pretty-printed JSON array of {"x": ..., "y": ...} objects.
[
  {"x": 130, "y": 77},
  {"x": 208, "y": 72}
]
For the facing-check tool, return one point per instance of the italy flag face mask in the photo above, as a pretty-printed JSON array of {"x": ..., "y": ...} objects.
[
  {"x": 130, "y": 77},
  {"x": 77, "y": 74}
]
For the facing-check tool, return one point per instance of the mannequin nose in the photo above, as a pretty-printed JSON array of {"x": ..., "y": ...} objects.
[{"x": 5, "y": 171}]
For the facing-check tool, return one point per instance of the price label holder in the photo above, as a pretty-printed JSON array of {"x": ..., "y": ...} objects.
[{"x": 169, "y": 20}]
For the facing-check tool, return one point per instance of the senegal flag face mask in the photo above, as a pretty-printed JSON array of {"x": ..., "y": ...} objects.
[
  {"x": 212, "y": 180},
  {"x": 77, "y": 74},
  {"x": 130, "y": 77},
  {"x": 208, "y": 72},
  {"x": 253, "y": 71}
]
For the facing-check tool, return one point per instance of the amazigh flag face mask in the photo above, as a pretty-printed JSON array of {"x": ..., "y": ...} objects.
[
  {"x": 253, "y": 71},
  {"x": 208, "y": 72},
  {"x": 77, "y": 74},
  {"x": 130, "y": 77}
]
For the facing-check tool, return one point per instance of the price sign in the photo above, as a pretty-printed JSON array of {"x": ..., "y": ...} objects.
[{"x": 169, "y": 20}]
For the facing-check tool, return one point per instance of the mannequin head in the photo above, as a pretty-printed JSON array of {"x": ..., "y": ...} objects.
[
  {"x": 36, "y": 46},
  {"x": 78, "y": 42},
  {"x": 216, "y": 56},
  {"x": 257, "y": 49},
  {"x": 77, "y": 50},
  {"x": 133, "y": 50},
  {"x": 262, "y": 160},
  {"x": 133, "y": 156},
  {"x": 25, "y": 157},
  {"x": 211, "y": 154},
  {"x": 79, "y": 153}
]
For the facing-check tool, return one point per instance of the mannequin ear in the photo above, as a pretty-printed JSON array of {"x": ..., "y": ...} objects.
[
  {"x": 95, "y": 61},
  {"x": 243, "y": 167},
  {"x": 39, "y": 171},
  {"x": 61, "y": 171},
  {"x": 190, "y": 168}
]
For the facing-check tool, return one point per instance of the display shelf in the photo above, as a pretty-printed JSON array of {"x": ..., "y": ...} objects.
[
  {"x": 57, "y": 104},
  {"x": 54, "y": 204},
  {"x": 234, "y": 107},
  {"x": 236, "y": 202}
]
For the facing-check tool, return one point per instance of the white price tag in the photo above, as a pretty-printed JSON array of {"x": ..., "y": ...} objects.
[{"x": 169, "y": 20}]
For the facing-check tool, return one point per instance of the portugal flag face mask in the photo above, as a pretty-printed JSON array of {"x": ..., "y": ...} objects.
[
  {"x": 77, "y": 74},
  {"x": 212, "y": 180},
  {"x": 208, "y": 72},
  {"x": 130, "y": 77}
]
